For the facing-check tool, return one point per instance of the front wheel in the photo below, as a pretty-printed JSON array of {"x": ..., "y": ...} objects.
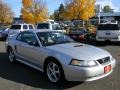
[{"x": 54, "y": 72}]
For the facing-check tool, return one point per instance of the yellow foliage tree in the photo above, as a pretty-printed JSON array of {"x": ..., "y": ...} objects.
[
  {"x": 80, "y": 9},
  {"x": 34, "y": 11},
  {"x": 6, "y": 14}
]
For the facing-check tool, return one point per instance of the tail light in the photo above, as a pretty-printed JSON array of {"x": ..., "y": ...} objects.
[{"x": 82, "y": 37}]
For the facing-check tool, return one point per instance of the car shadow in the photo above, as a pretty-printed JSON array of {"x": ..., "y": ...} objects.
[{"x": 23, "y": 74}]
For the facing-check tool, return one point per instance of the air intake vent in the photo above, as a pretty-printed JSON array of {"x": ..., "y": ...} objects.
[
  {"x": 104, "y": 60},
  {"x": 78, "y": 45}
]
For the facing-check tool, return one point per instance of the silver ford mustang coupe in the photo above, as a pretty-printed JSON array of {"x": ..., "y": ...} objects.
[{"x": 58, "y": 56}]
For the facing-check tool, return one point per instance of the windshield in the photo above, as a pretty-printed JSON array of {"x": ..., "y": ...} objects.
[
  {"x": 108, "y": 27},
  {"x": 15, "y": 27},
  {"x": 56, "y": 27},
  {"x": 52, "y": 38},
  {"x": 43, "y": 26}
]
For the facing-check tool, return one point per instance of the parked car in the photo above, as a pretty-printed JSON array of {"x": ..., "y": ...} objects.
[
  {"x": 58, "y": 56},
  {"x": 80, "y": 35},
  {"x": 50, "y": 26},
  {"x": 19, "y": 27},
  {"x": 4, "y": 33},
  {"x": 108, "y": 32}
]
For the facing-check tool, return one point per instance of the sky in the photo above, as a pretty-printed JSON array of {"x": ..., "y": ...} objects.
[
  {"x": 111, "y": 3},
  {"x": 52, "y": 5}
]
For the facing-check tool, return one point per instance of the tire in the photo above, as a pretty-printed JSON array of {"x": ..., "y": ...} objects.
[
  {"x": 11, "y": 55},
  {"x": 54, "y": 72}
]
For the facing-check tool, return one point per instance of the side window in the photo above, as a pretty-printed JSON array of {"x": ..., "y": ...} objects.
[
  {"x": 56, "y": 27},
  {"x": 25, "y": 27},
  {"x": 15, "y": 27},
  {"x": 43, "y": 26},
  {"x": 53, "y": 27},
  {"x": 30, "y": 27},
  {"x": 26, "y": 37},
  {"x": 19, "y": 37}
]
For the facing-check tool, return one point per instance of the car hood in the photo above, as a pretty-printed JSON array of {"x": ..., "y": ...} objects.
[{"x": 80, "y": 51}]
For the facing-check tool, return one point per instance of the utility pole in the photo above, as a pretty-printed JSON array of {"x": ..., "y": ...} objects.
[{"x": 99, "y": 14}]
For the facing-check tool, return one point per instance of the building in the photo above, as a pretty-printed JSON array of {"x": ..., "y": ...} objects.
[{"x": 104, "y": 17}]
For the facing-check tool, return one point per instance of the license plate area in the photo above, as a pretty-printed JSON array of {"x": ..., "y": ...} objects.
[{"x": 107, "y": 69}]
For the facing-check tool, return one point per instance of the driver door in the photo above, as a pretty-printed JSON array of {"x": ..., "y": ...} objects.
[{"x": 27, "y": 51}]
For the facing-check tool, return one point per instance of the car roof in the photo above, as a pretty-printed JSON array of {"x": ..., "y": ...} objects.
[
  {"x": 21, "y": 24},
  {"x": 47, "y": 23},
  {"x": 44, "y": 23},
  {"x": 42, "y": 30}
]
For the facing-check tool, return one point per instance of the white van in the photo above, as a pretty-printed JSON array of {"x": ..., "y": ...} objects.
[
  {"x": 108, "y": 32},
  {"x": 16, "y": 28},
  {"x": 50, "y": 26}
]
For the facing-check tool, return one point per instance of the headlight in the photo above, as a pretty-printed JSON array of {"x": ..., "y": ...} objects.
[{"x": 83, "y": 63}]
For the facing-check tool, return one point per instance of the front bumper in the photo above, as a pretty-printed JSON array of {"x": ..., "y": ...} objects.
[
  {"x": 76, "y": 73},
  {"x": 117, "y": 39}
]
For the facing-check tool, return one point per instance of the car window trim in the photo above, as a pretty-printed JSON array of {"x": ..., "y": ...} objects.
[{"x": 26, "y": 42}]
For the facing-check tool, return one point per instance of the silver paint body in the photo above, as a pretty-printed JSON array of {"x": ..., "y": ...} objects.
[{"x": 64, "y": 53}]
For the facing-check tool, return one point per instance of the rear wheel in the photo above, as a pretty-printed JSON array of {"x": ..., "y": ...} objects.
[
  {"x": 54, "y": 72},
  {"x": 11, "y": 55}
]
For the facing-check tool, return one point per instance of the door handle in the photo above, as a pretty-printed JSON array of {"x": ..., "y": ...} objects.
[{"x": 15, "y": 48}]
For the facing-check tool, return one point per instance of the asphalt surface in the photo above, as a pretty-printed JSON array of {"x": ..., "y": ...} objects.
[{"x": 21, "y": 77}]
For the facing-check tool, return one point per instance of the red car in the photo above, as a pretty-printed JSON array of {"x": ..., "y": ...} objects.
[{"x": 79, "y": 35}]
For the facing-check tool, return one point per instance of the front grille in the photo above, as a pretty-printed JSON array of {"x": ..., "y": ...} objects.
[{"x": 104, "y": 60}]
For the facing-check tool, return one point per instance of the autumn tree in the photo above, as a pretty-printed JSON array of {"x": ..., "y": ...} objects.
[
  {"x": 56, "y": 15},
  {"x": 80, "y": 9},
  {"x": 61, "y": 11},
  {"x": 34, "y": 11},
  {"x": 6, "y": 14}
]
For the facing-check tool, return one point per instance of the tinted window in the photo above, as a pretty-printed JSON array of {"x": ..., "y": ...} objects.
[
  {"x": 43, "y": 26},
  {"x": 19, "y": 37},
  {"x": 15, "y": 27},
  {"x": 26, "y": 37},
  {"x": 25, "y": 27},
  {"x": 30, "y": 27},
  {"x": 108, "y": 27}
]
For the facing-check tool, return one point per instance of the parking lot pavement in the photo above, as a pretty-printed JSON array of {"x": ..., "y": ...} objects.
[{"x": 21, "y": 77}]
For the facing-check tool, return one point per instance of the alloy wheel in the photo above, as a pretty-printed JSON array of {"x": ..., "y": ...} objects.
[
  {"x": 53, "y": 72},
  {"x": 11, "y": 56}
]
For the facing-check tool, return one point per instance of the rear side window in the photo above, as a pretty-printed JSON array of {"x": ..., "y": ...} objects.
[
  {"x": 31, "y": 27},
  {"x": 43, "y": 26},
  {"x": 25, "y": 27},
  {"x": 15, "y": 27},
  {"x": 108, "y": 27}
]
